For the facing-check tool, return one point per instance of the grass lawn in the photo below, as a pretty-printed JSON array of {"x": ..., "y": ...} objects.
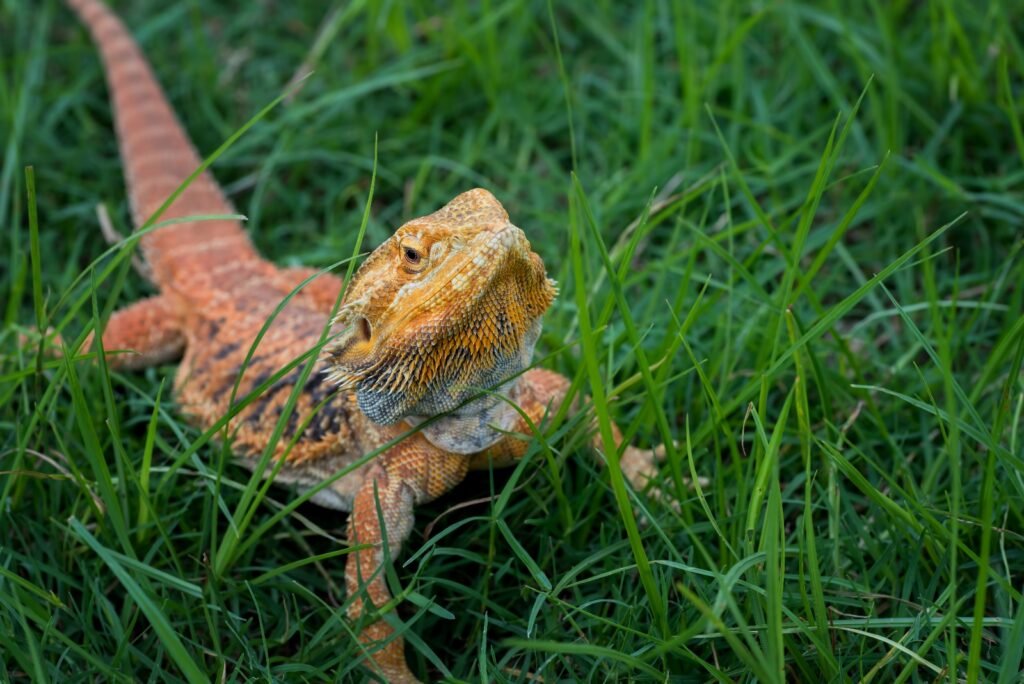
[{"x": 788, "y": 235}]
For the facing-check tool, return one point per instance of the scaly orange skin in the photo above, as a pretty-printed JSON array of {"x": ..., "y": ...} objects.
[{"x": 449, "y": 305}]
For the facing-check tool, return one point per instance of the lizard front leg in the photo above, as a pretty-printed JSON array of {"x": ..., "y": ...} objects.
[
  {"x": 411, "y": 473},
  {"x": 541, "y": 391},
  {"x": 150, "y": 329}
]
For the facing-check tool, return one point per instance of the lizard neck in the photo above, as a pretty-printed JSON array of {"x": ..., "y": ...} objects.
[{"x": 477, "y": 425}]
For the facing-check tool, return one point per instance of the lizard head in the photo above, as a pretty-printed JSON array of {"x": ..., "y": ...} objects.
[{"x": 448, "y": 306}]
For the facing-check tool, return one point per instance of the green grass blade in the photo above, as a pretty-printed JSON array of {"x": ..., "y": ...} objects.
[
  {"x": 588, "y": 340},
  {"x": 143, "y": 599}
]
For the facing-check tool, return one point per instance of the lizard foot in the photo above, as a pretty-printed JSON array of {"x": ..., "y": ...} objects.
[{"x": 640, "y": 467}]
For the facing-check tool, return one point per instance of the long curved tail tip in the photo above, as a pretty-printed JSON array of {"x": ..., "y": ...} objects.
[{"x": 87, "y": 10}]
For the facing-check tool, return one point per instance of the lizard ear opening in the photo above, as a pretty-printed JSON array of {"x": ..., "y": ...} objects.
[
  {"x": 364, "y": 331},
  {"x": 349, "y": 353}
]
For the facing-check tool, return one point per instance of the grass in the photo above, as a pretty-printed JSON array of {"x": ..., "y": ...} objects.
[{"x": 788, "y": 236}]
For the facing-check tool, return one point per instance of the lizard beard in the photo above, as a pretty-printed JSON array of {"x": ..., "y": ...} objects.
[
  {"x": 458, "y": 370},
  {"x": 461, "y": 375}
]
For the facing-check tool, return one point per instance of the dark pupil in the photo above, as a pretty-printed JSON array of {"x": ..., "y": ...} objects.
[{"x": 412, "y": 255}]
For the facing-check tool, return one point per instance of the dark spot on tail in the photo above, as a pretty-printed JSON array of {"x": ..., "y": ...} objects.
[{"x": 123, "y": 53}]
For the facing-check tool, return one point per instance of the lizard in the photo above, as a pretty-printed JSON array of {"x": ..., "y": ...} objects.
[{"x": 451, "y": 303}]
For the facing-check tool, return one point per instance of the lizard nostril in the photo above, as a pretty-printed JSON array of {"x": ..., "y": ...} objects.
[{"x": 363, "y": 329}]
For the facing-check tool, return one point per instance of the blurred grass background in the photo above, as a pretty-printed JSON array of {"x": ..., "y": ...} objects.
[{"x": 792, "y": 243}]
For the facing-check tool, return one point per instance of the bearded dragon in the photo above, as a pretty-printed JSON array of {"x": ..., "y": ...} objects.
[{"x": 450, "y": 304}]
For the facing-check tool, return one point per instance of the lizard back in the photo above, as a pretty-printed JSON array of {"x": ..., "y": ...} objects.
[{"x": 322, "y": 435}]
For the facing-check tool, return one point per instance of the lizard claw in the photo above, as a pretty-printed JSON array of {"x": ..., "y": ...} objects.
[
  {"x": 32, "y": 340},
  {"x": 659, "y": 452}
]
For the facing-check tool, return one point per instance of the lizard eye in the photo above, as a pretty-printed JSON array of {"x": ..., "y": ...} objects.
[{"x": 413, "y": 258}]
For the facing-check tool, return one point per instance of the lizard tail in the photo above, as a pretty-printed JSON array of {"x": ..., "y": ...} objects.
[{"x": 157, "y": 157}]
